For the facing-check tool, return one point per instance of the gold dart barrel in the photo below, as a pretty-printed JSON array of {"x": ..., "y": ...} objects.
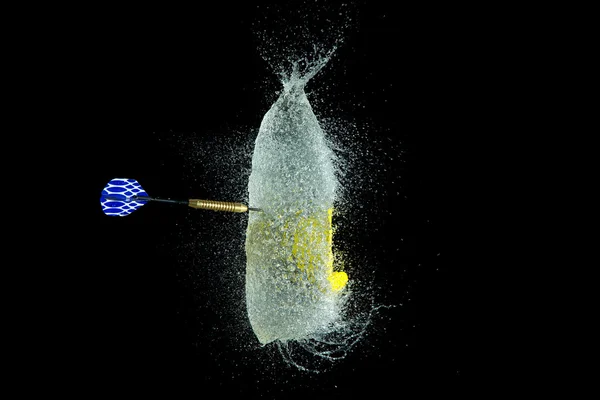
[{"x": 218, "y": 205}]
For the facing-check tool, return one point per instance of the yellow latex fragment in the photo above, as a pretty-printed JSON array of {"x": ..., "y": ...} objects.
[{"x": 309, "y": 237}]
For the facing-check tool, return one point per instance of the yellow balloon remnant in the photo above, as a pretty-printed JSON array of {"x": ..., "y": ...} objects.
[
  {"x": 311, "y": 233},
  {"x": 338, "y": 280}
]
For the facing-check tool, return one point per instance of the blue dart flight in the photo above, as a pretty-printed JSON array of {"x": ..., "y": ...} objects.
[{"x": 122, "y": 196}]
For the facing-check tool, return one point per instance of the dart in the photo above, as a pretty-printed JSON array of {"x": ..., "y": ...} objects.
[{"x": 122, "y": 196}]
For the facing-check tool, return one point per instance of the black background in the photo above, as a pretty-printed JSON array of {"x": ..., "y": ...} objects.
[{"x": 420, "y": 72}]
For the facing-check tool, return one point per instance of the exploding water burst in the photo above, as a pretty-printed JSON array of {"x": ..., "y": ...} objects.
[
  {"x": 292, "y": 291},
  {"x": 298, "y": 298},
  {"x": 296, "y": 293}
]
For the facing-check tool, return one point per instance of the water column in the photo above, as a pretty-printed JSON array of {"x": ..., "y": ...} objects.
[{"x": 292, "y": 290}]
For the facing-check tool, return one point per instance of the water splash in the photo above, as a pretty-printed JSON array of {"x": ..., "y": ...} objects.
[
  {"x": 291, "y": 269},
  {"x": 316, "y": 157}
]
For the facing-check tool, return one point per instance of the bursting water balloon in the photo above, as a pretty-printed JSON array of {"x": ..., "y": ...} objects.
[{"x": 292, "y": 290}]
